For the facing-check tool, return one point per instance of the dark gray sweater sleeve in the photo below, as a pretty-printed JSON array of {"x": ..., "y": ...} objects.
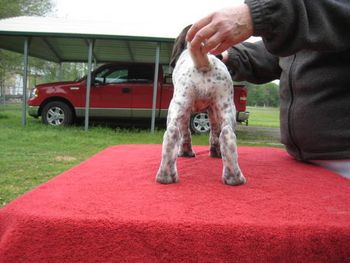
[
  {"x": 252, "y": 62},
  {"x": 288, "y": 26}
]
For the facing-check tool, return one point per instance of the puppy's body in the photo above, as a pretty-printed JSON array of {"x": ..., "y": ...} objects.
[
  {"x": 198, "y": 87},
  {"x": 198, "y": 91}
]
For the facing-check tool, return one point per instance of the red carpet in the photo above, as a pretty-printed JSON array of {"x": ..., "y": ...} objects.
[{"x": 109, "y": 209}]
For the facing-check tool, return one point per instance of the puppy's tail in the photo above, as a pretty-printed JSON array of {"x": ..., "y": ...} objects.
[{"x": 199, "y": 58}]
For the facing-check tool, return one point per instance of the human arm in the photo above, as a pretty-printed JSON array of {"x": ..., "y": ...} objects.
[
  {"x": 286, "y": 26},
  {"x": 252, "y": 62},
  {"x": 247, "y": 61}
]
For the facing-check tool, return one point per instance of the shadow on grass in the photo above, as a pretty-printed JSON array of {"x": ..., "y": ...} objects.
[
  {"x": 123, "y": 124},
  {"x": 3, "y": 116}
]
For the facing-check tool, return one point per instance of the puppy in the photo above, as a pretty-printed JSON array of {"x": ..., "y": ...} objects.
[{"x": 201, "y": 83}]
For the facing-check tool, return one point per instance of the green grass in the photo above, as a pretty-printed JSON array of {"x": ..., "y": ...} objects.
[
  {"x": 264, "y": 116},
  {"x": 33, "y": 154}
]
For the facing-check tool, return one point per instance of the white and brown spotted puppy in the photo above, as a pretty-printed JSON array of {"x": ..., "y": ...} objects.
[{"x": 207, "y": 87}]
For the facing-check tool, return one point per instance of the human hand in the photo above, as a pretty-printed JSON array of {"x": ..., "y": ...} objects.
[{"x": 220, "y": 30}]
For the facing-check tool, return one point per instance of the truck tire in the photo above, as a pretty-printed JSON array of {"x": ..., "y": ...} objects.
[
  {"x": 200, "y": 123},
  {"x": 57, "y": 113}
]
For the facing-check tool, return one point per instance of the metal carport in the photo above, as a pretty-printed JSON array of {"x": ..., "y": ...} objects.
[{"x": 61, "y": 40}]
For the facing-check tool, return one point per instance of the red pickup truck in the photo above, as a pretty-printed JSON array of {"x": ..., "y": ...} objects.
[{"x": 118, "y": 90}]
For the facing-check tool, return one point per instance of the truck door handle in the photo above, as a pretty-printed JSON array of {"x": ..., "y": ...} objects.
[{"x": 126, "y": 90}]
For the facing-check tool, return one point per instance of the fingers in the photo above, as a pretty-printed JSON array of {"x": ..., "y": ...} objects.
[
  {"x": 200, "y": 32},
  {"x": 222, "y": 29},
  {"x": 215, "y": 43},
  {"x": 221, "y": 48},
  {"x": 197, "y": 26},
  {"x": 209, "y": 32},
  {"x": 205, "y": 39},
  {"x": 212, "y": 42}
]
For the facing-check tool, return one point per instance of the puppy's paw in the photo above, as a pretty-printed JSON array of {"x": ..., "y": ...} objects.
[
  {"x": 186, "y": 154},
  {"x": 215, "y": 152},
  {"x": 167, "y": 178},
  {"x": 233, "y": 179}
]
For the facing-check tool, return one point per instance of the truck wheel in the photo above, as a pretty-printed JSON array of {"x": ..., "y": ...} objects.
[
  {"x": 200, "y": 123},
  {"x": 57, "y": 113}
]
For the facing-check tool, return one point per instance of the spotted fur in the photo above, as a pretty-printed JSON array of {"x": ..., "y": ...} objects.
[{"x": 197, "y": 91}]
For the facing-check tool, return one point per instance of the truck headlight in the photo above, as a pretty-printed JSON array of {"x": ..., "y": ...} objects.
[{"x": 34, "y": 93}]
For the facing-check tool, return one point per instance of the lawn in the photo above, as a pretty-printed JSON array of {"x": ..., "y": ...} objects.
[
  {"x": 33, "y": 154},
  {"x": 264, "y": 116}
]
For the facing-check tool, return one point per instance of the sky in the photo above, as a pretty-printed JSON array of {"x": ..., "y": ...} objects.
[{"x": 170, "y": 15}]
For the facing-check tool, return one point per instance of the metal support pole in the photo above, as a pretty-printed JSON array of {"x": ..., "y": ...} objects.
[
  {"x": 88, "y": 86},
  {"x": 25, "y": 77},
  {"x": 155, "y": 88}
]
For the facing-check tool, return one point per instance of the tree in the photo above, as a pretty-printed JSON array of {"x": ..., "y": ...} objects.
[
  {"x": 10, "y": 61},
  {"x": 25, "y": 8},
  {"x": 263, "y": 95}
]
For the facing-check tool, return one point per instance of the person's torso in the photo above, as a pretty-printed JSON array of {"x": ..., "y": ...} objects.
[{"x": 315, "y": 104}]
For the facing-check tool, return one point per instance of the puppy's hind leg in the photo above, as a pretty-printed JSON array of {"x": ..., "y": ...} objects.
[
  {"x": 232, "y": 174},
  {"x": 186, "y": 139},
  {"x": 214, "y": 142},
  {"x": 167, "y": 172}
]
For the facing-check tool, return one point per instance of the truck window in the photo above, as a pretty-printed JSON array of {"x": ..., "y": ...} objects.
[
  {"x": 117, "y": 76},
  {"x": 112, "y": 76},
  {"x": 141, "y": 74}
]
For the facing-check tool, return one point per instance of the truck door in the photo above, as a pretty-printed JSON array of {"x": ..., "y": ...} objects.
[
  {"x": 111, "y": 95},
  {"x": 141, "y": 80}
]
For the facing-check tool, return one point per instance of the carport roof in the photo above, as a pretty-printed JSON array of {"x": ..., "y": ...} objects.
[{"x": 63, "y": 40}]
